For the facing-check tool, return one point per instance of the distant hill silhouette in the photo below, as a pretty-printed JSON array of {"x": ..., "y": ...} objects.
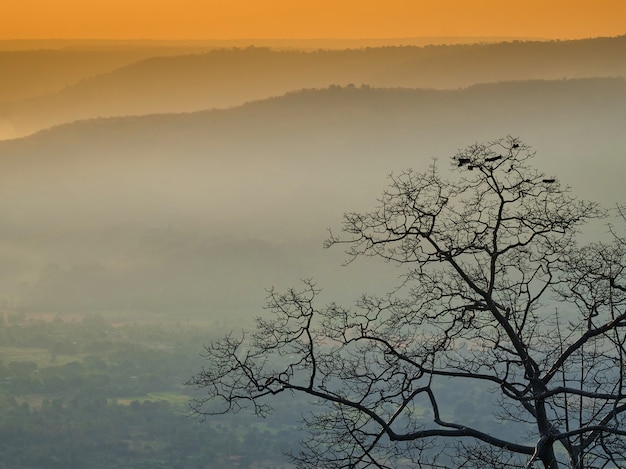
[
  {"x": 42, "y": 71},
  {"x": 230, "y": 77}
]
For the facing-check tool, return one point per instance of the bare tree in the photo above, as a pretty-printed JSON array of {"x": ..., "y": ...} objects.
[{"x": 496, "y": 294}]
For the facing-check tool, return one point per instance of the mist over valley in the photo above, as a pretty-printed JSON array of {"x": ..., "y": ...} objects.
[{"x": 199, "y": 213}]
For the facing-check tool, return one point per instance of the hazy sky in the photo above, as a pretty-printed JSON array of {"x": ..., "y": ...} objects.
[{"x": 230, "y": 19}]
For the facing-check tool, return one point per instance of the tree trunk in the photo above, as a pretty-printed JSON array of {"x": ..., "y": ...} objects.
[{"x": 547, "y": 456}]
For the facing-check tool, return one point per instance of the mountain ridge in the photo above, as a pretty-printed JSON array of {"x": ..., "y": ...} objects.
[
  {"x": 229, "y": 77},
  {"x": 345, "y": 96}
]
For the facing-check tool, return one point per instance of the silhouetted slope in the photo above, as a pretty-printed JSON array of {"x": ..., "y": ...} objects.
[
  {"x": 352, "y": 122},
  {"x": 34, "y": 73},
  {"x": 223, "y": 78},
  {"x": 279, "y": 170}
]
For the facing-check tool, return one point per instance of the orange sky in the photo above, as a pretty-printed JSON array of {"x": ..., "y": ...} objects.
[{"x": 230, "y": 19}]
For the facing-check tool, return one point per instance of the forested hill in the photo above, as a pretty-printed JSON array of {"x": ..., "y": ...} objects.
[
  {"x": 332, "y": 124},
  {"x": 339, "y": 126},
  {"x": 85, "y": 196},
  {"x": 34, "y": 68},
  {"x": 230, "y": 77}
]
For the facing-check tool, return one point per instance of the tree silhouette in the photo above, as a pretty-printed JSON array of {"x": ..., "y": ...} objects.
[{"x": 497, "y": 296}]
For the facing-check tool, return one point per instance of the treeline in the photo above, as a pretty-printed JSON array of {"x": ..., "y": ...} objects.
[
  {"x": 85, "y": 432},
  {"x": 85, "y": 393}
]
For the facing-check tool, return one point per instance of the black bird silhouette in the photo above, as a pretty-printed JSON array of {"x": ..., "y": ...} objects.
[
  {"x": 463, "y": 161},
  {"x": 549, "y": 181},
  {"x": 493, "y": 158},
  {"x": 515, "y": 145}
]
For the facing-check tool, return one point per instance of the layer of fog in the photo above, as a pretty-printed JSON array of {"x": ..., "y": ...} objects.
[{"x": 199, "y": 213}]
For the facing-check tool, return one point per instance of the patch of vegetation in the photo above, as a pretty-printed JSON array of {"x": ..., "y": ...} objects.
[{"x": 89, "y": 393}]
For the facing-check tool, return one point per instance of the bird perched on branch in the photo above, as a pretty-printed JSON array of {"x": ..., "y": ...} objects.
[{"x": 493, "y": 158}]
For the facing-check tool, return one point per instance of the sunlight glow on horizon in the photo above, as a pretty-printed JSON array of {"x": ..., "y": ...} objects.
[{"x": 309, "y": 19}]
